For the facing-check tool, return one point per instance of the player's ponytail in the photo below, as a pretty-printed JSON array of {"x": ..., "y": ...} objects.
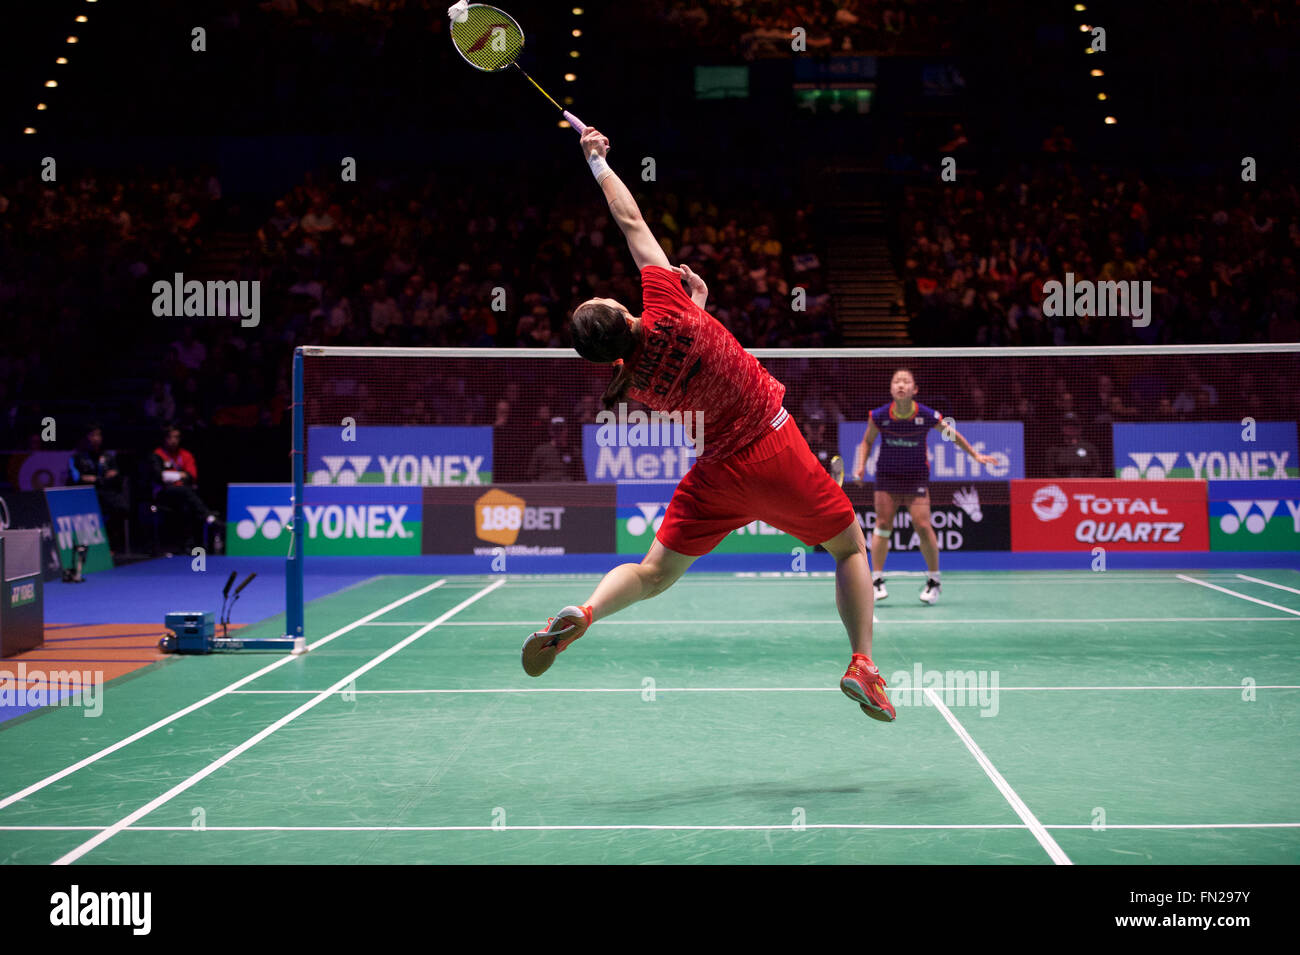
[{"x": 602, "y": 333}]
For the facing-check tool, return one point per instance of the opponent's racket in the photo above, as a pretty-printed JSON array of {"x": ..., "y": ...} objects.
[
  {"x": 837, "y": 470},
  {"x": 490, "y": 40}
]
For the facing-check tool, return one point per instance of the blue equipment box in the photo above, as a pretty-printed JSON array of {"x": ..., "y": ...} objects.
[{"x": 194, "y": 631}]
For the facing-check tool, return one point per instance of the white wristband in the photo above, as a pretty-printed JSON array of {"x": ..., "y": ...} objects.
[{"x": 599, "y": 168}]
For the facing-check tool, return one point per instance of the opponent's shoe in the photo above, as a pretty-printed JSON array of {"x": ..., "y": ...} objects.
[
  {"x": 931, "y": 592},
  {"x": 879, "y": 584},
  {"x": 561, "y": 630},
  {"x": 863, "y": 683}
]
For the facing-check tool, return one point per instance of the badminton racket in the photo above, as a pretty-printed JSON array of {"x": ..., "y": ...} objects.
[{"x": 491, "y": 40}]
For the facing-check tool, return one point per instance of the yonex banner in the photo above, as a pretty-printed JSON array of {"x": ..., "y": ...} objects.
[
  {"x": 641, "y": 508},
  {"x": 76, "y": 520},
  {"x": 1207, "y": 451},
  {"x": 650, "y": 450},
  {"x": 406, "y": 457},
  {"x": 1255, "y": 515},
  {"x": 966, "y": 517},
  {"x": 354, "y": 521},
  {"x": 1005, "y": 440},
  {"x": 523, "y": 519},
  {"x": 1080, "y": 514}
]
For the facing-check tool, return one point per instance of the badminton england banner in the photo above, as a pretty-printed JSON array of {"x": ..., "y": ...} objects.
[
  {"x": 75, "y": 517},
  {"x": 365, "y": 520},
  {"x": 965, "y": 517},
  {"x": 1255, "y": 515},
  {"x": 1005, "y": 440},
  {"x": 1083, "y": 513},
  {"x": 415, "y": 456},
  {"x": 1207, "y": 451}
]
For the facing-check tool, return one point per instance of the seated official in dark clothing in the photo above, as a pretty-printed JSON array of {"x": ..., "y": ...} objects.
[
  {"x": 1073, "y": 457},
  {"x": 175, "y": 480},
  {"x": 92, "y": 465}
]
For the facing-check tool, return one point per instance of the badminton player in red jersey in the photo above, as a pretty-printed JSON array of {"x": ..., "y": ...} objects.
[{"x": 753, "y": 463}]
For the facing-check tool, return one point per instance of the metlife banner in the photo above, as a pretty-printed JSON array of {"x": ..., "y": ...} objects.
[
  {"x": 1255, "y": 515},
  {"x": 636, "y": 454},
  {"x": 1005, "y": 440},
  {"x": 400, "y": 456},
  {"x": 1207, "y": 451},
  {"x": 364, "y": 520}
]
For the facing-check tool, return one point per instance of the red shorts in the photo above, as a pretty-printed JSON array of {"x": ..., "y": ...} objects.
[{"x": 777, "y": 479}]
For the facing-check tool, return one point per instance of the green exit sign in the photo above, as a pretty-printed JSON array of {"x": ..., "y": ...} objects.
[{"x": 832, "y": 102}]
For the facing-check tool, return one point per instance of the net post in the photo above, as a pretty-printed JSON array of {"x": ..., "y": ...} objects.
[{"x": 293, "y": 579}]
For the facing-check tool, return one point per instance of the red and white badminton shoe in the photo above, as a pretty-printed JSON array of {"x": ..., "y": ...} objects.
[
  {"x": 863, "y": 683},
  {"x": 561, "y": 630}
]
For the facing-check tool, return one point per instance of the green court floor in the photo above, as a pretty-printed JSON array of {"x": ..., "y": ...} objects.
[{"x": 1120, "y": 717}]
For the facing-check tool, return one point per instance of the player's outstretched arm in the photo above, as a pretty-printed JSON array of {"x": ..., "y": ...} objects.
[
  {"x": 953, "y": 434},
  {"x": 640, "y": 240},
  {"x": 860, "y": 458}
]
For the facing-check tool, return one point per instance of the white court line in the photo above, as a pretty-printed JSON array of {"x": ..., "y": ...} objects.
[
  {"x": 1268, "y": 583},
  {"x": 152, "y": 727},
  {"x": 1233, "y": 593},
  {"x": 253, "y": 740},
  {"x": 804, "y": 621},
  {"x": 737, "y": 689},
  {"x": 1056, "y": 853},
  {"x": 716, "y": 828}
]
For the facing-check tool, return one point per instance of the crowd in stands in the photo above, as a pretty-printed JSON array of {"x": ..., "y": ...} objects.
[
  {"x": 1221, "y": 261},
  {"x": 764, "y": 28}
]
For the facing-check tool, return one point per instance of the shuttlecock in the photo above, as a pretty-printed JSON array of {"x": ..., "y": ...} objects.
[{"x": 459, "y": 12}]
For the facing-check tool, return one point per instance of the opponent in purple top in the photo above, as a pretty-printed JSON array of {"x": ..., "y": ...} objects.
[
  {"x": 902, "y": 467},
  {"x": 903, "y": 475}
]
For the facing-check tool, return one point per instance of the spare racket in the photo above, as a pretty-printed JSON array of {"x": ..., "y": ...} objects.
[{"x": 490, "y": 40}]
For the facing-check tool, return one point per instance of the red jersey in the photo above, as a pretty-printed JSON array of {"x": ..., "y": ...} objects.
[{"x": 687, "y": 361}]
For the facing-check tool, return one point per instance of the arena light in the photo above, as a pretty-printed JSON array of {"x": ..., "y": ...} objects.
[
  {"x": 574, "y": 54},
  {"x": 577, "y": 33},
  {"x": 29, "y": 130},
  {"x": 41, "y": 106},
  {"x": 1084, "y": 28},
  {"x": 62, "y": 61},
  {"x": 1096, "y": 73},
  {"x": 1111, "y": 121},
  {"x": 72, "y": 39},
  {"x": 564, "y": 124},
  {"x": 51, "y": 83},
  {"x": 83, "y": 18},
  {"x": 570, "y": 77},
  {"x": 1101, "y": 96},
  {"x": 568, "y": 101},
  {"x": 577, "y": 11},
  {"x": 1079, "y": 8}
]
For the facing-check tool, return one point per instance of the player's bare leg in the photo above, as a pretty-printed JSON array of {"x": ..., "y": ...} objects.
[
  {"x": 886, "y": 508},
  {"x": 621, "y": 587},
  {"x": 628, "y": 583},
  {"x": 921, "y": 523},
  {"x": 856, "y": 601},
  {"x": 853, "y": 597}
]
